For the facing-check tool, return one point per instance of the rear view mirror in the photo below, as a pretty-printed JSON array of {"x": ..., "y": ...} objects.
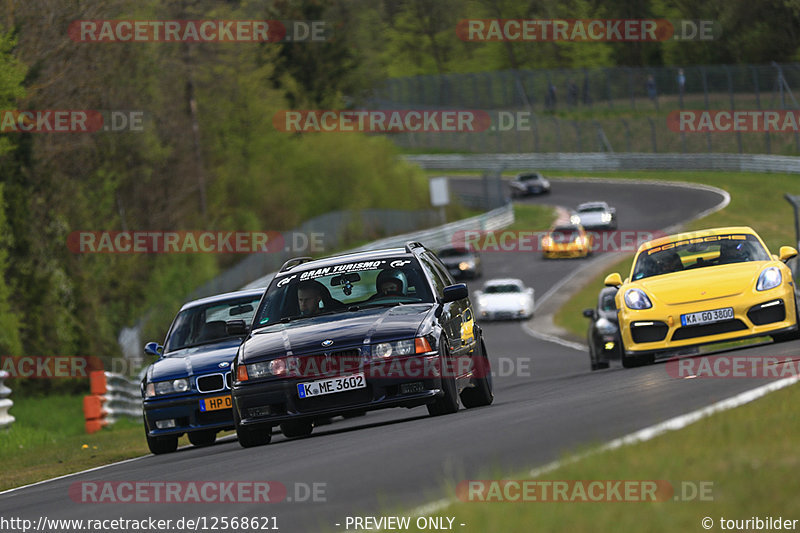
[
  {"x": 343, "y": 279},
  {"x": 153, "y": 348},
  {"x": 786, "y": 253},
  {"x": 235, "y": 328},
  {"x": 588, "y": 313},
  {"x": 241, "y": 309},
  {"x": 455, "y": 292},
  {"x": 613, "y": 280}
]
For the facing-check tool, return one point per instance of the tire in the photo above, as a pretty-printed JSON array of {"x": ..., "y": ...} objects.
[
  {"x": 480, "y": 393},
  {"x": 634, "y": 361},
  {"x": 295, "y": 429},
  {"x": 250, "y": 437},
  {"x": 203, "y": 438},
  {"x": 159, "y": 445},
  {"x": 448, "y": 403}
]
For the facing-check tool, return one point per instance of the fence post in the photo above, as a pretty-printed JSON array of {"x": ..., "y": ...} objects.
[
  {"x": 5, "y": 402},
  {"x": 112, "y": 395}
]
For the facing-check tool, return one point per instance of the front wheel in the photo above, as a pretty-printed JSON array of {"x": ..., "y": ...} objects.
[
  {"x": 159, "y": 445},
  {"x": 250, "y": 437},
  {"x": 448, "y": 402},
  {"x": 480, "y": 393}
]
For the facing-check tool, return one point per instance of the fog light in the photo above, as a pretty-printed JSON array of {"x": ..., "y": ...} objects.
[
  {"x": 165, "y": 424},
  {"x": 609, "y": 346}
]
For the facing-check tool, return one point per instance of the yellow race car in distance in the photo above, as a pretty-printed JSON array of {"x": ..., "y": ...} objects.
[
  {"x": 703, "y": 287},
  {"x": 567, "y": 241}
]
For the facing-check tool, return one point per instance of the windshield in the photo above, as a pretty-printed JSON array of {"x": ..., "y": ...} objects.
[
  {"x": 204, "y": 324},
  {"x": 497, "y": 289},
  {"x": 593, "y": 209},
  {"x": 342, "y": 288},
  {"x": 699, "y": 253}
]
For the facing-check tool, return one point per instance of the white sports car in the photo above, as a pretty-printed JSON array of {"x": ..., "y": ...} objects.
[
  {"x": 595, "y": 215},
  {"x": 506, "y": 298}
]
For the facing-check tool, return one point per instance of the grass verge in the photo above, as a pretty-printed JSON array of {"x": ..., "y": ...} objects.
[{"x": 742, "y": 476}]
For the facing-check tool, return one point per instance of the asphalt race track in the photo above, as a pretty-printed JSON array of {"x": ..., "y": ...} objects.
[{"x": 547, "y": 402}]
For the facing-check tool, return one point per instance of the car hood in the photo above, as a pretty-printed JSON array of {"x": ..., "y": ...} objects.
[
  {"x": 347, "y": 329},
  {"x": 705, "y": 283},
  {"x": 194, "y": 361}
]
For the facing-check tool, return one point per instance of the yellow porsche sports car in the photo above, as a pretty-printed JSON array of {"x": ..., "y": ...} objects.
[
  {"x": 703, "y": 287},
  {"x": 568, "y": 240}
]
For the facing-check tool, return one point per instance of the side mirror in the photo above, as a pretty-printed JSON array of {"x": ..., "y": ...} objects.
[
  {"x": 588, "y": 313},
  {"x": 455, "y": 292},
  {"x": 235, "y": 328},
  {"x": 786, "y": 253},
  {"x": 153, "y": 348},
  {"x": 613, "y": 280}
]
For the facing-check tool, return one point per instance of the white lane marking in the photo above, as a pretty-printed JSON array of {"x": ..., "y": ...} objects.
[
  {"x": 642, "y": 435},
  {"x": 556, "y": 340}
]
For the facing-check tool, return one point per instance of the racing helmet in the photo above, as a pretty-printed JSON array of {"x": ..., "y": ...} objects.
[{"x": 393, "y": 274}]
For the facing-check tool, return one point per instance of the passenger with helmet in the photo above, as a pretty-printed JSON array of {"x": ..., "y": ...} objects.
[
  {"x": 733, "y": 252},
  {"x": 391, "y": 282}
]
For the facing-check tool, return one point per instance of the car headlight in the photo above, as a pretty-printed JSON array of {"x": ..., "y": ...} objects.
[
  {"x": 769, "y": 279},
  {"x": 605, "y": 326},
  {"x": 385, "y": 350},
  {"x": 466, "y": 265},
  {"x": 575, "y": 219},
  {"x": 159, "y": 388},
  {"x": 605, "y": 217},
  {"x": 280, "y": 366},
  {"x": 637, "y": 299}
]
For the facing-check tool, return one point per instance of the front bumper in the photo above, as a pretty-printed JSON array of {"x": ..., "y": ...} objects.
[
  {"x": 659, "y": 330},
  {"x": 272, "y": 401},
  {"x": 565, "y": 252},
  {"x": 186, "y": 413},
  {"x": 504, "y": 314}
]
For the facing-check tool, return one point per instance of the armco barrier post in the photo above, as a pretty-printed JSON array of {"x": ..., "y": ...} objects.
[
  {"x": 5, "y": 402},
  {"x": 112, "y": 395}
]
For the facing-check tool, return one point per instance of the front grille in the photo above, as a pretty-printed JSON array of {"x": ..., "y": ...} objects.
[
  {"x": 655, "y": 332},
  {"x": 210, "y": 383},
  {"x": 759, "y": 315},
  {"x": 691, "y": 332}
]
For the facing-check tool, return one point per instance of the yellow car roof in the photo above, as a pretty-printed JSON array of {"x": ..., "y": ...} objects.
[{"x": 694, "y": 235}]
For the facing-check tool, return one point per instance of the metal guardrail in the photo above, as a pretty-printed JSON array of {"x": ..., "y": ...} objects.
[
  {"x": 432, "y": 238},
  {"x": 606, "y": 161},
  {"x": 112, "y": 395},
  {"x": 5, "y": 402}
]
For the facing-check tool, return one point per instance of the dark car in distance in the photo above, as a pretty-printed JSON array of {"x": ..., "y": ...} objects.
[
  {"x": 462, "y": 263},
  {"x": 354, "y": 333},
  {"x": 187, "y": 390},
  {"x": 529, "y": 183},
  {"x": 603, "y": 335}
]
